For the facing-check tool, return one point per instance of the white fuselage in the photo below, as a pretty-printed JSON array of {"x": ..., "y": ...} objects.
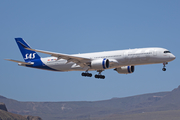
[
  {"x": 124, "y": 61},
  {"x": 119, "y": 58}
]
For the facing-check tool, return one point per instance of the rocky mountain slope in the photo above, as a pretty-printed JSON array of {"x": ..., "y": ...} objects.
[
  {"x": 147, "y": 103},
  {"x": 5, "y": 115}
]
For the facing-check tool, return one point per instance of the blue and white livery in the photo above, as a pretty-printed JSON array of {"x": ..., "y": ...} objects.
[{"x": 123, "y": 61}]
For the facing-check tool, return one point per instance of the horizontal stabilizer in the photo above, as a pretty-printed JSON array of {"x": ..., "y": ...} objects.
[{"x": 23, "y": 63}]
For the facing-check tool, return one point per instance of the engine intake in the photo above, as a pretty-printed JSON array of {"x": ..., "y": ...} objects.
[
  {"x": 100, "y": 64},
  {"x": 125, "y": 69}
]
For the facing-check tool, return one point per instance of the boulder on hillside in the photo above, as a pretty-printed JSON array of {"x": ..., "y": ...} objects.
[
  {"x": 3, "y": 106},
  {"x": 29, "y": 117}
]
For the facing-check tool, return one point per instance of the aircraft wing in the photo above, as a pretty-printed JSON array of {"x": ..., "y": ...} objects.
[
  {"x": 69, "y": 58},
  {"x": 78, "y": 60},
  {"x": 24, "y": 63}
]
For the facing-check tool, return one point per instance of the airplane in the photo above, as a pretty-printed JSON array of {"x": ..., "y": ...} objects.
[{"x": 122, "y": 61}]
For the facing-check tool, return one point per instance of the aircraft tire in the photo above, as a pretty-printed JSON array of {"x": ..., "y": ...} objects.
[
  {"x": 164, "y": 69},
  {"x": 87, "y": 74},
  {"x": 99, "y": 76},
  {"x": 83, "y": 74},
  {"x": 96, "y": 76}
]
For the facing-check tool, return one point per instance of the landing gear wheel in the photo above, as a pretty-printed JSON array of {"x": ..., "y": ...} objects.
[
  {"x": 164, "y": 69},
  {"x": 83, "y": 74},
  {"x": 96, "y": 76},
  {"x": 100, "y": 76},
  {"x": 87, "y": 74}
]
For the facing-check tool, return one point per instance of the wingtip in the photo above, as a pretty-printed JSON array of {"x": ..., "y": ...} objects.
[{"x": 7, "y": 59}]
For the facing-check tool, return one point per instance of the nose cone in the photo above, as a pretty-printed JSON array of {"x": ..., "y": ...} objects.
[{"x": 172, "y": 57}]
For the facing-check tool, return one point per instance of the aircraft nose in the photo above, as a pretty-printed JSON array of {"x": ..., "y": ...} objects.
[{"x": 172, "y": 57}]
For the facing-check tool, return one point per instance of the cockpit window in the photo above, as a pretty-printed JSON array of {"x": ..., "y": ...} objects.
[{"x": 167, "y": 52}]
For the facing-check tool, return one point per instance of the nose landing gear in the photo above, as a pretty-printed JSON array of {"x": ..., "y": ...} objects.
[{"x": 164, "y": 66}]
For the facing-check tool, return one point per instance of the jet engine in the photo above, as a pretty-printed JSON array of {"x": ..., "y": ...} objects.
[
  {"x": 125, "y": 69},
  {"x": 100, "y": 64}
]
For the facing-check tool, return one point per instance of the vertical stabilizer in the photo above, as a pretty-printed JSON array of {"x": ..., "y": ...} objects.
[{"x": 28, "y": 55}]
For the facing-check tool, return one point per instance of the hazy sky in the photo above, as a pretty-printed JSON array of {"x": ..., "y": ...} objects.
[{"x": 82, "y": 26}]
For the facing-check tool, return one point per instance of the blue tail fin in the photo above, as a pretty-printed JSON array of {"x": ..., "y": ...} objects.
[{"x": 28, "y": 55}]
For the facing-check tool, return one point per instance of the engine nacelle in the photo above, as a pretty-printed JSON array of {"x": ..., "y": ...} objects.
[
  {"x": 125, "y": 69},
  {"x": 100, "y": 64}
]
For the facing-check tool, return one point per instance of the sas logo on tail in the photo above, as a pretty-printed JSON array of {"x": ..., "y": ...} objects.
[{"x": 30, "y": 56}]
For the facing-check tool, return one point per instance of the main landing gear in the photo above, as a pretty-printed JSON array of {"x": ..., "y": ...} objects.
[
  {"x": 86, "y": 74},
  {"x": 164, "y": 66},
  {"x": 99, "y": 76}
]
